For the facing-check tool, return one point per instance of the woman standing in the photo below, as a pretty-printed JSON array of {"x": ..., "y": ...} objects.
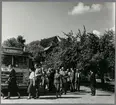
[
  {"x": 31, "y": 87},
  {"x": 57, "y": 79},
  {"x": 44, "y": 80},
  {"x": 12, "y": 83}
]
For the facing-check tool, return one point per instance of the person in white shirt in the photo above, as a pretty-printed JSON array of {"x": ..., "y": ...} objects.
[
  {"x": 38, "y": 75},
  {"x": 31, "y": 87}
]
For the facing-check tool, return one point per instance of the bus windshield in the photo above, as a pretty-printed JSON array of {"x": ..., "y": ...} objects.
[{"x": 16, "y": 61}]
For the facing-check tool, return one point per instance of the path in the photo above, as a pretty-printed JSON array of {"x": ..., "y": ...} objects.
[{"x": 72, "y": 97}]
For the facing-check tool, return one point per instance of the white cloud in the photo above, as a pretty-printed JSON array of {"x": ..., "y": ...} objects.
[
  {"x": 96, "y": 33},
  {"x": 81, "y": 8}
]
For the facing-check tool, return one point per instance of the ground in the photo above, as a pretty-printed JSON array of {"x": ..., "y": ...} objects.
[{"x": 84, "y": 96}]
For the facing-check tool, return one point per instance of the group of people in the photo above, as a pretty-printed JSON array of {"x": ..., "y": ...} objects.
[
  {"x": 60, "y": 79},
  {"x": 66, "y": 80}
]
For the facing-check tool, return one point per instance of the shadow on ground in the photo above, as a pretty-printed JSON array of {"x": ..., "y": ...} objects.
[
  {"x": 104, "y": 87},
  {"x": 103, "y": 95},
  {"x": 69, "y": 97}
]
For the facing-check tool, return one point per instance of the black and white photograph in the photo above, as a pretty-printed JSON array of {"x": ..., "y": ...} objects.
[{"x": 58, "y": 52}]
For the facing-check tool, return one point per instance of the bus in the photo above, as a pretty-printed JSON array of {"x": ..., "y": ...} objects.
[{"x": 21, "y": 61}]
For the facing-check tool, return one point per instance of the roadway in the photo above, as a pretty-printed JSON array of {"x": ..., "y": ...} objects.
[{"x": 84, "y": 97}]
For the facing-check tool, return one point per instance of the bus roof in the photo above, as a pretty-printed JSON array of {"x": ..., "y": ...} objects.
[
  {"x": 4, "y": 47},
  {"x": 13, "y": 51}
]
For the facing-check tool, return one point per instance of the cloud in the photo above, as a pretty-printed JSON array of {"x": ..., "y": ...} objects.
[
  {"x": 97, "y": 33},
  {"x": 81, "y": 8}
]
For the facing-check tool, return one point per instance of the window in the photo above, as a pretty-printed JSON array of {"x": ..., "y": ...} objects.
[
  {"x": 21, "y": 62},
  {"x": 6, "y": 60}
]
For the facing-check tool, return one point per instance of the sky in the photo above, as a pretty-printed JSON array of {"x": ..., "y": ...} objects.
[{"x": 39, "y": 20}]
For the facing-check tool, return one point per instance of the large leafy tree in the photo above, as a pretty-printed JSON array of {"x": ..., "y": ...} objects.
[
  {"x": 21, "y": 41},
  {"x": 85, "y": 51},
  {"x": 18, "y": 42},
  {"x": 35, "y": 49},
  {"x": 12, "y": 42},
  {"x": 107, "y": 57}
]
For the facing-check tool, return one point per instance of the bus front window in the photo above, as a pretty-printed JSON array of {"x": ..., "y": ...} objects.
[
  {"x": 6, "y": 60},
  {"x": 21, "y": 62}
]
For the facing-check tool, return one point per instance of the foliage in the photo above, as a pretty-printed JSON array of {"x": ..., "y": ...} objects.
[
  {"x": 85, "y": 51},
  {"x": 15, "y": 42},
  {"x": 36, "y": 49},
  {"x": 48, "y": 41},
  {"x": 21, "y": 40}
]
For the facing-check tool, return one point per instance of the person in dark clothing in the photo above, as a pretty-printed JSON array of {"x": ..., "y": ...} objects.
[
  {"x": 68, "y": 79},
  {"x": 51, "y": 80},
  {"x": 2, "y": 94},
  {"x": 77, "y": 80},
  {"x": 92, "y": 83},
  {"x": 57, "y": 80},
  {"x": 12, "y": 83}
]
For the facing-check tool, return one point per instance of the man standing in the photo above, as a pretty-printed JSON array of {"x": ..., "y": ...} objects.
[
  {"x": 68, "y": 79},
  {"x": 64, "y": 76},
  {"x": 51, "y": 80},
  {"x": 38, "y": 74},
  {"x": 72, "y": 80},
  {"x": 48, "y": 75},
  {"x": 77, "y": 80},
  {"x": 92, "y": 83}
]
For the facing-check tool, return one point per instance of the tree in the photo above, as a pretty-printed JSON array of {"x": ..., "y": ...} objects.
[
  {"x": 53, "y": 58},
  {"x": 36, "y": 49},
  {"x": 107, "y": 51},
  {"x": 21, "y": 40},
  {"x": 14, "y": 42}
]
